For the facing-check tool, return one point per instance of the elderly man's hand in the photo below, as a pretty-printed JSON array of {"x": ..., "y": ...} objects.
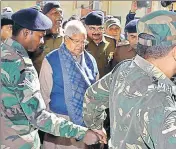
[
  {"x": 95, "y": 136},
  {"x": 91, "y": 137},
  {"x": 102, "y": 135}
]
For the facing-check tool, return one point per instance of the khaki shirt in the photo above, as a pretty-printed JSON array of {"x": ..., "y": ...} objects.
[
  {"x": 101, "y": 53},
  {"x": 23, "y": 110},
  {"x": 50, "y": 45},
  {"x": 142, "y": 105}
]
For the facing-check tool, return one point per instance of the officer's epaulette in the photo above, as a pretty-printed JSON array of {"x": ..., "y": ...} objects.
[
  {"x": 109, "y": 38},
  {"x": 123, "y": 43}
]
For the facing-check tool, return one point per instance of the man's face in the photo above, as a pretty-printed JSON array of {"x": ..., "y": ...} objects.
[
  {"x": 6, "y": 32},
  {"x": 33, "y": 39},
  {"x": 56, "y": 17},
  {"x": 133, "y": 39},
  {"x": 76, "y": 43},
  {"x": 114, "y": 31},
  {"x": 95, "y": 33}
]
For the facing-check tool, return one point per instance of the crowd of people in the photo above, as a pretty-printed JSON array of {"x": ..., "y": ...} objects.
[{"x": 84, "y": 83}]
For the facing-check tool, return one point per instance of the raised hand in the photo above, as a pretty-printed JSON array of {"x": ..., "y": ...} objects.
[{"x": 134, "y": 6}]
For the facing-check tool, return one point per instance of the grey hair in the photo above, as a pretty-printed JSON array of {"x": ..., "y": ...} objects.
[
  {"x": 74, "y": 27},
  {"x": 155, "y": 52}
]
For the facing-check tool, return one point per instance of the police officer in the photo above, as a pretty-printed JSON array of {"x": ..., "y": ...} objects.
[
  {"x": 100, "y": 45},
  {"x": 126, "y": 49},
  {"x": 132, "y": 35},
  {"x": 53, "y": 37},
  {"x": 22, "y": 106},
  {"x": 139, "y": 92}
]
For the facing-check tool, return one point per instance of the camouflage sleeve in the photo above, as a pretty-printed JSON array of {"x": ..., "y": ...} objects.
[
  {"x": 95, "y": 102},
  {"x": 156, "y": 121},
  {"x": 169, "y": 132},
  {"x": 32, "y": 103}
]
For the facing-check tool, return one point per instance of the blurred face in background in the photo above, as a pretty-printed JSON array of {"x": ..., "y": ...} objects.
[
  {"x": 133, "y": 39},
  {"x": 114, "y": 31},
  {"x": 95, "y": 33},
  {"x": 56, "y": 16},
  {"x": 6, "y": 32}
]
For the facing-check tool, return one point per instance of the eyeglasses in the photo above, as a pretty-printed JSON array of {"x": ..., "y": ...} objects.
[
  {"x": 93, "y": 29},
  {"x": 77, "y": 42}
]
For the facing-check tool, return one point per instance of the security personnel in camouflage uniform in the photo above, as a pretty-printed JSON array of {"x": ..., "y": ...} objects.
[
  {"x": 54, "y": 36},
  {"x": 139, "y": 92},
  {"x": 22, "y": 106},
  {"x": 100, "y": 46}
]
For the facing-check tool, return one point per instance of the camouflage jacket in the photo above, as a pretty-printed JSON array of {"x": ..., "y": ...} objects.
[
  {"x": 141, "y": 100},
  {"x": 22, "y": 106}
]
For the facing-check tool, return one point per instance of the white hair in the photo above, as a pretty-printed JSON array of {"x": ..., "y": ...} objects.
[{"x": 74, "y": 27}]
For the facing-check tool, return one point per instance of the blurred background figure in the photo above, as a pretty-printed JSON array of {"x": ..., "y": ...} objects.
[
  {"x": 73, "y": 17},
  {"x": 82, "y": 19},
  {"x": 6, "y": 23},
  {"x": 131, "y": 31},
  {"x": 107, "y": 17},
  {"x": 113, "y": 29},
  {"x": 132, "y": 13}
]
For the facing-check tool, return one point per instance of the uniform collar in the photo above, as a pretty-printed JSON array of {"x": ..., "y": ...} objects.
[
  {"x": 156, "y": 74},
  {"x": 17, "y": 47}
]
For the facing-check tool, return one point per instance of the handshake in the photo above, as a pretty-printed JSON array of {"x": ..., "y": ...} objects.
[{"x": 95, "y": 136}]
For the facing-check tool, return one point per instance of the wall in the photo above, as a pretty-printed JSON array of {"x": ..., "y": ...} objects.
[
  {"x": 122, "y": 8},
  {"x": 17, "y": 5}
]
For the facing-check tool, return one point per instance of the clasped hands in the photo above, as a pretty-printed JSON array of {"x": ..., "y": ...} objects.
[{"x": 95, "y": 136}]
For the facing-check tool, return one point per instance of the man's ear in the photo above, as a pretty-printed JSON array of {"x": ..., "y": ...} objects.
[
  {"x": 25, "y": 32},
  {"x": 65, "y": 39}
]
